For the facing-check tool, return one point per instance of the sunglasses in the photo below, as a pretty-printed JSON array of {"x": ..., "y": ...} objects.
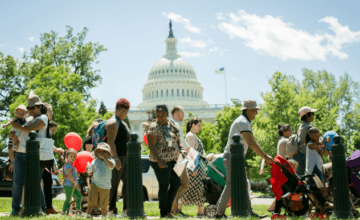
[{"x": 31, "y": 108}]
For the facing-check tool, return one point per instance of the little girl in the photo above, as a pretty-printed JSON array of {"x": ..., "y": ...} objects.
[
  {"x": 101, "y": 169},
  {"x": 20, "y": 114},
  {"x": 70, "y": 181}
]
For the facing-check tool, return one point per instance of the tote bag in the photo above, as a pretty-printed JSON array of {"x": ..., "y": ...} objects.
[{"x": 46, "y": 148}]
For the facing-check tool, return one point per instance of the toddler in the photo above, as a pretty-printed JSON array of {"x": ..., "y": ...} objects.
[
  {"x": 70, "y": 181},
  {"x": 100, "y": 169},
  {"x": 20, "y": 114}
]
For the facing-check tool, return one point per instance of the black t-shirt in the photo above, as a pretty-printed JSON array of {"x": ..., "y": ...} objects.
[
  {"x": 122, "y": 137},
  {"x": 87, "y": 140}
]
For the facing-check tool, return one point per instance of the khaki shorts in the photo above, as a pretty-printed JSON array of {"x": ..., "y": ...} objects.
[{"x": 98, "y": 197}]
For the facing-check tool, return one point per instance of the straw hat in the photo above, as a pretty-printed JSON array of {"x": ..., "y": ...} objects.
[
  {"x": 102, "y": 146},
  {"x": 250, "y": 104},
  {"x": 33, "y": 101},
  {"x": 22, "y": 107}
]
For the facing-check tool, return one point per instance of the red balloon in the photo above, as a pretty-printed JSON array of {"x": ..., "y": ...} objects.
[
  {"x": 82, "y": 159},
  {"x": 145, "y": 140},
  {"x": 73, "y": 141}
]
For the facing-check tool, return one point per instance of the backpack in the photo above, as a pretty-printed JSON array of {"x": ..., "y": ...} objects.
[
  {"x": 293, "y": 142},
  {"x": 99, "y": 133},
  {"x": 61, "y": 175}
]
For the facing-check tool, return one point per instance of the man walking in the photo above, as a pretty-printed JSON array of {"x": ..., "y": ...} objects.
[
  {"x": 241, "y": 126},
  {"x": 178, "y": 115}
]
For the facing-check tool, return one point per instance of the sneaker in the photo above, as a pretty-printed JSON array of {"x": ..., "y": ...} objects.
[
  {"x": 254, "y": 214},
  {"x": 123, "y": 214},
  {"x": 78, "y": 213},
  {"x": 51, "y": 211},
  {"x": 14, "y": 213},
  {"x": 181, "y": 215},
  {"x": 200, "y": 216},
  {"x": 112, "y": 213},
  {"x": 277, "y": 216},
  {"x": 314, "y": 215}
]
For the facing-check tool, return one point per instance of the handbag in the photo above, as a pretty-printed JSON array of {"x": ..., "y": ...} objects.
[{"x": 46, "y": 148}]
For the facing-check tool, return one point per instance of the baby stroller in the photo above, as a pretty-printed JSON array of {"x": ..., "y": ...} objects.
[
  {"x": 215, "y": 183},
  {"x": 291, "y": 191}
]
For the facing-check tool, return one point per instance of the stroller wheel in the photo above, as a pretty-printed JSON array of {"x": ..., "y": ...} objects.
[
  {"x": 210, "y": 211},
  {"x": 356, "y": 214},
  {"x": 72, "y": 207}
]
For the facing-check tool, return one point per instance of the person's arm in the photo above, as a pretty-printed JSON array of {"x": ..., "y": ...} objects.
[
  {"x": 250, "y": 140},
  {"x": 70, "y": 176},
  {"x": 152, "y": 139},
  {"x": 12, "y": 159},
  {"x": 111, "y": 128},
  {"x": 37, "y": 125},
  {"x": 10, "y": 122},
  {"x": 109, "y": 162},
  {"x": 313, "y": 146}
]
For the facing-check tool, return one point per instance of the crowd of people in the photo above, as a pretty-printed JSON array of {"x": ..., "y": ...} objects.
[{"x": 167, "y": 144}]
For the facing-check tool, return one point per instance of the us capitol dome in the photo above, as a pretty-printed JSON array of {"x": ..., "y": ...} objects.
[{"x": 172, "y": 81}]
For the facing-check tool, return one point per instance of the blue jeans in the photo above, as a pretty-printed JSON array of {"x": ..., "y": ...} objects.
[
  {"x": 301, "y": 159},
  {"x": 19, "y": 180},
  {"x": 166, "y": 177}
]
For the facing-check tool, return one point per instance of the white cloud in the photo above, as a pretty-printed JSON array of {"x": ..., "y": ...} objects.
[
  {"x": 273, "y": 36},
  {"x": 220, "y": 16},
  {"x": 234, "y": 78},
  {"x": 31, "y": 38},
  {"x": 222, "y": 52},
  {"x": 190, "y": 54},
  {"x": 1, "y": 45},
  {"x": 195, "y": 43},
  {"x": 180, "y": 19},
  {"x": 213, "y": 49},
  {"x": 21, "y": 49}
]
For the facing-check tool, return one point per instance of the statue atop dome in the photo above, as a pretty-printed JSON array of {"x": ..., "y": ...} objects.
[{"x": 171, "y": 31}]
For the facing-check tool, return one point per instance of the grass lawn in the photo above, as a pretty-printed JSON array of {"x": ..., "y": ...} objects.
[{"x": 151, "y": 209}]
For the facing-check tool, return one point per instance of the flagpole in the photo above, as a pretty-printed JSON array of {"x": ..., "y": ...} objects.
[{"x": 225, "y": 85}]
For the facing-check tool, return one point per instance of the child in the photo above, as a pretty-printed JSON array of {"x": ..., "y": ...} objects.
[
  {"x": 20, "y": 114},
  {"x": 101, "y": 169},
  {"x": 314, "y": 153},
  {"x": 70, "y": 181}
]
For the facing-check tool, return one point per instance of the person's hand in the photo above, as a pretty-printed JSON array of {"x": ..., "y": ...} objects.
[
  {"x": 162, "y": 164},
  {"x": 101, "y": 156},
  {"x": 117, "y": 163},
  {"x": 328, "y": 139},
  {"x": 195, "y": 173},
  {"x": 269, "y": 160},
  {"x": 11, "y": 167},
  {"x": 60, "y": 150}
]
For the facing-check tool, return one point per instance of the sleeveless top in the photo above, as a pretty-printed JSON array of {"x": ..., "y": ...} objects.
[{"x": 122, "y": 137}]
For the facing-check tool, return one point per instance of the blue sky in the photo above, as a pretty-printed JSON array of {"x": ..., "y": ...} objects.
[{"x": 251, "y": 39}]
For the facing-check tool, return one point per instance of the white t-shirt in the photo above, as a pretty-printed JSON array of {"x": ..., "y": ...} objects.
[
  {"x": 25, "y": 136},
  {"x": 312, "y": 158},
  {"x": 241, "y": 124}
]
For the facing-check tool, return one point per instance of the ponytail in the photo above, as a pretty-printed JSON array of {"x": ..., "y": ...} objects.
[{"x": 193, "y": 121}]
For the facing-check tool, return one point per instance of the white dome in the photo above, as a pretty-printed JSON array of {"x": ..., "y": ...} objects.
[{"x": 172, "y": 81}]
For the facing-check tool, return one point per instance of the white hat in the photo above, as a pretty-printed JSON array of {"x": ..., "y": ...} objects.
[
  {"x": 250, "y": 104},
  {"x": 306, "y": 109}
]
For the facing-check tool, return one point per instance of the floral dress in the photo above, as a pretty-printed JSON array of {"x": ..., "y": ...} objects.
[{"x": 194, "y": 193}]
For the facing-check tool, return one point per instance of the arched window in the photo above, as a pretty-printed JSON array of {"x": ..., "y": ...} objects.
[
  {"x": 192, "y": 93},
  {"x": 195, "y": 94},
  {"x": 178, "y": 92},
  {"x": 175, "y": 70},
  {"x": 172, "y": 92},
  {"x": 157, "y": 93},
  {"x": 152, "y": 94},
  {"x": 167, "y": 71},
  {"x": 167, "y": 93},
  {"x": 163, "y": 71},
  {"x": 183, "y": 93},
  {"x": 187, "y": 93},
  {"x": 149, "y": 95},
  {"x": 171, "y": 70},
  {"x": 162, "y": 93}
]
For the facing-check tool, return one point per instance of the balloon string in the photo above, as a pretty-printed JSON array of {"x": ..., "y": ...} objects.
[{"x": 51, "y": 172}]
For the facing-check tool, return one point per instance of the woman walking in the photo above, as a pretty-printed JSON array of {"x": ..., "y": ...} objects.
[
  {"x": 194, "y": 193},
  {"x": 164, "y": 144}
]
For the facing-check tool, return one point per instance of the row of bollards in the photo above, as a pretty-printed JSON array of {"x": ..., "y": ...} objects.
[{"x": 135, "y": 209}]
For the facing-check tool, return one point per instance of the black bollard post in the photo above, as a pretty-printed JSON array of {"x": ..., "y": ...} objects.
[
  {"x": 32, "y": 199},
  {"x": 239, "y": 193},
  {"x": 135, "y": 203},
  {"x": 340, "y": 180}
]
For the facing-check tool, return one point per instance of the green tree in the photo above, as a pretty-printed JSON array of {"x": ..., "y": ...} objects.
[{"x": 102, "y": 109}]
